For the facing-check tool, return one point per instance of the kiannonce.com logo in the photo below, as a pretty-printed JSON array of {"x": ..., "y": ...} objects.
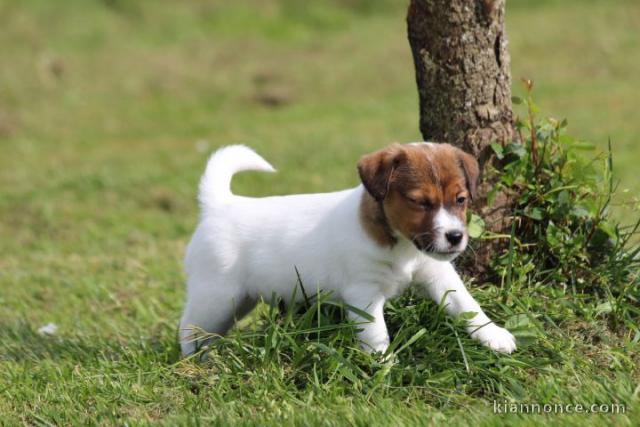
[{"x": 506, "y": 407}]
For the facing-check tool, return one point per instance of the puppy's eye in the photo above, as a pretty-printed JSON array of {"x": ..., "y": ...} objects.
[
  {"x": 425, "y": 204},
  {"x": 461, "y": 200},
  {"x": 412, "y": 200}
]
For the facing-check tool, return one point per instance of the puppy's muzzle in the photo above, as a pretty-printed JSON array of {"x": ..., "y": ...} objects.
[{"x": 454, "y": 237}]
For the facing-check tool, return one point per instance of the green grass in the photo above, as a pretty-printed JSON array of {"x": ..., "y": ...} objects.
[{"x": 108, "y": 110}]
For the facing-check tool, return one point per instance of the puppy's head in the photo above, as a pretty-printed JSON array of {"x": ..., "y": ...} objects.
[{"x": 424, "y": 190}]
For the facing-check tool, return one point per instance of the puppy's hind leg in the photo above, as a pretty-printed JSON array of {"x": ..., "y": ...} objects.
[{"x": 212, "y": 307}]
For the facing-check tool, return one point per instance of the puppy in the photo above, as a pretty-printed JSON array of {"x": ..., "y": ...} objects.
[{"x": 403, "y": 225}]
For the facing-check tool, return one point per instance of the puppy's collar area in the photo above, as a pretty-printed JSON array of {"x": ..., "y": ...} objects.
[
  {"x": 384, "y": 223},
  {"x": 374, "y": 220}
]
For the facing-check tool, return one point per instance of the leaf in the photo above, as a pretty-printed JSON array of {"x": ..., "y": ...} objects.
[
  {"x": 475, "y": 227},
  {"x": 467, "y": 315},
  {"x": 580, "y": 211},
  {"x": 604, "y": 308},
  {"x": 566, "y": 139},
  {"x": 361, "y": 313},
  {"x": 608, "y": 228},
  {"x": 411, "y": 340},
  {"x": 582, "y": 145},
  {"x": 563, "y": 198},
  {"x": 349, "y": 370},
  {"x": 518, "y": 149},
  {"x": 497, "y": 148},
  {"x": 534, "y": 213},
  {"x": 554, "y": 235},
  {"x": 533, "y": 107},
  {"x": 518, "y": 321}
]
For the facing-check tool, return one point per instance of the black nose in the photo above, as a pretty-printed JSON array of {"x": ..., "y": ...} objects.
[{"x": 454, "y": 237}]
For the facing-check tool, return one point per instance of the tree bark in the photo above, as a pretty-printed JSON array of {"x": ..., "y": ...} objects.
[
  {"x": 462, "y": 70},
  {"x": 464, "y": 84}
]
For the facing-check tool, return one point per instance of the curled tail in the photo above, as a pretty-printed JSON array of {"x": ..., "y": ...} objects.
[{"x": 215, "y": 184}]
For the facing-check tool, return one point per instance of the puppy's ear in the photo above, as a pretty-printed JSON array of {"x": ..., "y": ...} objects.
[
  {"x": 376, "y": 169},
  {"x": 471, "y": 170}
]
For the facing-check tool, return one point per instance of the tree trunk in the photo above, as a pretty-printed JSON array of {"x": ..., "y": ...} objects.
[
  {"x": 462, "y": 71},
  {"x": 464, "y": 83}
]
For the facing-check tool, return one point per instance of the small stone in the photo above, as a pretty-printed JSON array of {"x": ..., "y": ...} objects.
[{"x": 48, "y": 329}]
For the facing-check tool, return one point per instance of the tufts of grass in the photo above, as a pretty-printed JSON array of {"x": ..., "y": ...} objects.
[
  {"x": 108, "y": 110},
  {"x": 302, "y": 364}
]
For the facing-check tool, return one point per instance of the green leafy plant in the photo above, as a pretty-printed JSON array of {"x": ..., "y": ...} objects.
[{"x": 561, "y": 232}]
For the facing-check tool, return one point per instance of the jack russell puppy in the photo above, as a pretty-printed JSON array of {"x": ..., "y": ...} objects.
[{"x": 403, "y": 225}]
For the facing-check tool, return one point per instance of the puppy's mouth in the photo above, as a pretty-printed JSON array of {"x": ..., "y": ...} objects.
[
  {"x": 430, "y": 250},
  {"x": 443, "y": 255}
]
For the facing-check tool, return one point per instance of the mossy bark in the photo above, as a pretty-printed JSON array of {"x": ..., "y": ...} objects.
[{"x": 462, "y": 71}]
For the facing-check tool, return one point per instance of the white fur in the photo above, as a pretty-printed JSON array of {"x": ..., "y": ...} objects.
[
  {"x": 247, "y": 248},
  {"x": 443, "y": 223}
]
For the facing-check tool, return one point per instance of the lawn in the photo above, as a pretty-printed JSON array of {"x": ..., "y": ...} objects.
[{"x": 108, "y": 110}]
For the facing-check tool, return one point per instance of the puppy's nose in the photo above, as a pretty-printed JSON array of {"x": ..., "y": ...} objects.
[{"x": 454, "y": 237}]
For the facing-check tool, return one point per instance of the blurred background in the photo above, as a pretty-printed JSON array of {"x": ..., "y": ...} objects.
[{"x": 109, "y": 108}]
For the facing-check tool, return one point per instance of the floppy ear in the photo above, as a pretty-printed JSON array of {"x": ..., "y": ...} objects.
[
  {"x": 471, "y": 170},
  {"x": 376, "y": 169}
]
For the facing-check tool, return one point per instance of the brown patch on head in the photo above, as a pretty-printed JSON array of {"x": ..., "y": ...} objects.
[
  {"x": 407, "y": 185},
  {"x": 471, "y": 171},
  {"x": 376, "y": 169}
]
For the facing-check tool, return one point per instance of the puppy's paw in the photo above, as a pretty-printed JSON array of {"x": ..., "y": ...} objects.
[{"x": 496, "y": 338}]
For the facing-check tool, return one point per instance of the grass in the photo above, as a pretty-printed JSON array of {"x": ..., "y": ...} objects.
[{"x": 108, "y": 110}]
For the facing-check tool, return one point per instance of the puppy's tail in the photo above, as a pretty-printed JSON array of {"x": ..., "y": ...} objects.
[{"x": 215, "y": 184}]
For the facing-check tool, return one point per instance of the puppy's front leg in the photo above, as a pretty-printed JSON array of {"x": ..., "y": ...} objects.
[
  {"x": 441, "y": 280},
  {"x": 373, "y": 333}
]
